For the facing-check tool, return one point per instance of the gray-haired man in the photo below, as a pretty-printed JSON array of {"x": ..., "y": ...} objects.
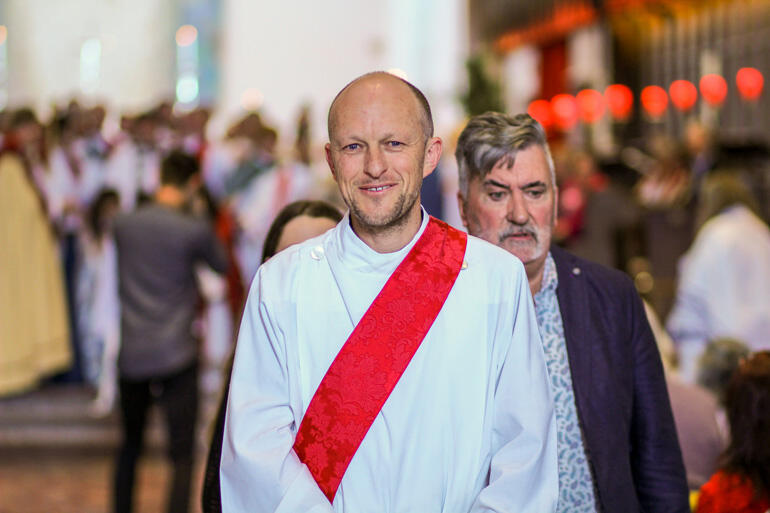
[{"x": 617, "y": 444}]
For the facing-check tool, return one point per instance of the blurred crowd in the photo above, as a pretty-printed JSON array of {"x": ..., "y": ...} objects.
[{"x": 64, "y": 180}]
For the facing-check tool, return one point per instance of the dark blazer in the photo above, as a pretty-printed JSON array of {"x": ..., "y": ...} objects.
[{"x": 620, "y": 391}]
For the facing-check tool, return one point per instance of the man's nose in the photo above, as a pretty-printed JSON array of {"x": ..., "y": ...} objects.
[
  {"x": 375, "y": 163},
  {"x": 517, "y": 209}
]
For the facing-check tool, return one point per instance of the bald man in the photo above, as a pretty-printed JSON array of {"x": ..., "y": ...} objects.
[{"x": 392, "y": 364}]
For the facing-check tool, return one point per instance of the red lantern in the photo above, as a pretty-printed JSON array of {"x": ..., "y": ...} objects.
[
  {"x": 565, "y": 111},
  {"x": 713, "y": 88},
  {"x": 619, "y": 100},
  {"x": 654, "y": 100},
  {"x": 683, "y": 94},
  {"x": 541, "y": 111},
  {"x": 590, "y": 105},
  {"x": 750, "y": 83}
]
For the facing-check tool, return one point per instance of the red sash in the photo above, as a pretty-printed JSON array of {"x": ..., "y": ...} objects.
[{"x": 374, "y": 357}]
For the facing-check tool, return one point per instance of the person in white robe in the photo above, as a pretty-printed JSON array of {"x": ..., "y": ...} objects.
[
  {"x": 724, "y": 278},
  {"x": 469, "y": 426}
]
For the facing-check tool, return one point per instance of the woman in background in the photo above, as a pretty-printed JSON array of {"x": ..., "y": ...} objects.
[{"x": 742, "y": 485}]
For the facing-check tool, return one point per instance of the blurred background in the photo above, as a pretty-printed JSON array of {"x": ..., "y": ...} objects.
[{"x": 642, "y": 100}]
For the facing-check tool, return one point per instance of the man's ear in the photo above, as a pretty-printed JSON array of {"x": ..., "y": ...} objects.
[
  {"x": 328, "y": 151},
  {"x": 433, "y": 150},
  {"x": 461, "y": 206}
]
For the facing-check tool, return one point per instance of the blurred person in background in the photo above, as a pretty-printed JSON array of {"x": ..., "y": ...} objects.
[
  {"x": 742, "y": 484},
  {"x": 158, "y": 248},
  {"x": 617, "y": 442},
  {"x": 724, "y": 278},
  {"x": 34, "y": 327},
  {"x": 295, "y": 223},
  {"x": 134, "y": 164},
  {"x": 419, "y": 439},
  {"x": 98, "y": 296},
  {"x": 667, "y": 213}
]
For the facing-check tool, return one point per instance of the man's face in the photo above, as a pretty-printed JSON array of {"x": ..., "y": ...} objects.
[
  {"x": 378, "y": 153},
  {"x": 514, "y": 207}
]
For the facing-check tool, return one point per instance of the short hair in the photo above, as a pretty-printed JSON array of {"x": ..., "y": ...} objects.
[
  {"x": 491, "y": 136},
  {"x": 722, "y": 189},
  {"x": 717, "y": 364},
  {"x": 178, "y": 168},
  {"x": 747, "y": 406},
  {"x": 426, "y": 118},
  {"x": 311, "y": 208}
]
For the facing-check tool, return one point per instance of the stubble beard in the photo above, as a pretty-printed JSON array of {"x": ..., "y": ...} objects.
[{"x": 396, "y": 218}]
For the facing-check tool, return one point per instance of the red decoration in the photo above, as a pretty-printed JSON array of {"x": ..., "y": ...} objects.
[
  {"x": 565, "y": 111},
  {"x": 590, "y": 105},
  {"x": 713, "y": 88},
  {"x": 683, "y": 94},
  {"x": 750, "y": 83},
  {"x": 620, "y": 101},
  {"x": 654, "y": 100},
  {"x": 541, "y": 111}
]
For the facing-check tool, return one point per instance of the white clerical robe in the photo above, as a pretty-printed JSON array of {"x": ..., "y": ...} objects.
[{"x": 469, "y": 426}]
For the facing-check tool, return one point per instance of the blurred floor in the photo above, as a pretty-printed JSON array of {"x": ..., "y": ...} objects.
[{"x": 56, "y": 458}]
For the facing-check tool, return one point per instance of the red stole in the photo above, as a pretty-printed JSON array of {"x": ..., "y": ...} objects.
[{"x": 372, "y": 360}]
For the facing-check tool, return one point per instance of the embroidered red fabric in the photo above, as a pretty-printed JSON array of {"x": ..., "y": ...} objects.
[{"x": 374, "y": 357}]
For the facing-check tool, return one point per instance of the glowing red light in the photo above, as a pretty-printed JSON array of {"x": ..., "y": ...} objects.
[
  {"x": 654, "y": 100},
  {"x": 590, "y": 105},
  {"x": 713, "y": 88},
  {"x": 683, "y": 94},
  {"x": 620, "y": 101},
  {"x": 565, "y": 111},
  {"x": 750, "y": 83},
  {"x": 541, "y": 111}
]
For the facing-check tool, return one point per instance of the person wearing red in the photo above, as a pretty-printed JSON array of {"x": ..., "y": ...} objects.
[{"x": 742, "y": 485}]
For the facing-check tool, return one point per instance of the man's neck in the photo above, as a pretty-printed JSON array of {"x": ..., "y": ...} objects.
[
  {"x": 535, "y": 278},
  {"x": 391, "y": 239},
  {"x": 169, "y": 196}
]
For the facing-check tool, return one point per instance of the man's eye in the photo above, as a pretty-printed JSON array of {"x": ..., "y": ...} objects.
[
  {"x": 351, "y": 147},
  {"x": 497, "y": 195},
  {"x": 395, "y": 144},
  {"x": 535, "y": 193}
]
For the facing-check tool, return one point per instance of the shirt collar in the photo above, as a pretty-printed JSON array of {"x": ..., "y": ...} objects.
[
  {"x": 357, "y": 255},
  {"x": 550, "y": 278}
]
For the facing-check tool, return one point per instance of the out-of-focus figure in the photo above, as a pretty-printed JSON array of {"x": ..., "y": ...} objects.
[
  {"x": 742, "y": 484},
  {"x": 34, "y": 329},
  {"x": 159, "y": 246},
  {"x": 724, "y": 278},
  {"x": 98, "y": 297},
  {"x": 133, "y": 167}
]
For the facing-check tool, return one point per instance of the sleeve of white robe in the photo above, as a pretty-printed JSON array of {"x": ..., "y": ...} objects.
[
  {"x": 259, "y": 470},
  {"x": 524, "y": 471}
]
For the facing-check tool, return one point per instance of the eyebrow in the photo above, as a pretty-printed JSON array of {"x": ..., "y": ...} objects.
[{"x": 530, "y": 185}]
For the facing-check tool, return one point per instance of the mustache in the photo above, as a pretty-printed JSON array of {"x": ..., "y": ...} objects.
[{"x": 518, "y": 230}]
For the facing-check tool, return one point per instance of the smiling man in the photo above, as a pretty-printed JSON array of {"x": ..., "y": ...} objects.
[
  {"x": 617, "y": 446},
  {"x": 392, "y": 364}
]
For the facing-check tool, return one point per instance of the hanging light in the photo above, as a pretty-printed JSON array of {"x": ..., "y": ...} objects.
[
  {"x": 541, "y": 111},
  {"x": 619, "y": 100},
  {"x": 750, "y": 83},
  {"x": 590, "y": 105},
  {"x": 565, "y": 111},
  {"x": 683, "y": 94},
  {"x": 654, "y": 100},
  {"x": 713, "y": 88}
]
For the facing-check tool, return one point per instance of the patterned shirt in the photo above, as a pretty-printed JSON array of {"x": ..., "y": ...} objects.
[{"x": 576, "y": 489}]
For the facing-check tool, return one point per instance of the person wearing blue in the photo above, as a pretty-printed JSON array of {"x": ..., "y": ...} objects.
[{"x": 616, "y": 439}]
